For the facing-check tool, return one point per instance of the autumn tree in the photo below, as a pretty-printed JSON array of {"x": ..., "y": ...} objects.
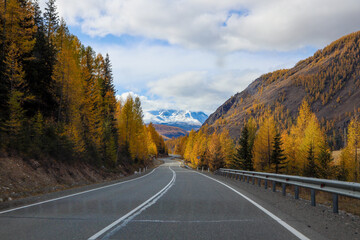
[
  {"x": 349, "y": 155},
  {"x": 215, "y": 157},
  {"x": 227, "y": 147},
  {"x": 263, "y": 144}
]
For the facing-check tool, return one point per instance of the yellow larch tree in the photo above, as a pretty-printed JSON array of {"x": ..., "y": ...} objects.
[{"x": 263, "y": 144}]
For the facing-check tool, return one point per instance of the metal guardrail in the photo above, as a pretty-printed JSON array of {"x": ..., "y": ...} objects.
[{"x": 349, "y": 189}]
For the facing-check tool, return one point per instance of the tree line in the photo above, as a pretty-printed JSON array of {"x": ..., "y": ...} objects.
[
  {"x": 57, "y": 97},
  {"x": 265, "y": 145}
]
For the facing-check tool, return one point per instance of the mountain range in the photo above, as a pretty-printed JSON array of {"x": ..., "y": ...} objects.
[
  {"x": 329, "y": 80},
  {"x": 183, "y": 119}
]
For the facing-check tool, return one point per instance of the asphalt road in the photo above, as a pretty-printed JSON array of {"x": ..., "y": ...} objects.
[{"x": 168, "y": 203}]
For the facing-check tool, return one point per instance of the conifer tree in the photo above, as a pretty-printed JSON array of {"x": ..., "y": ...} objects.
[
  {"x": 227, "y": 147},
  {"x": 15, "y": 75},
  {"x": 349, "y": 155},
  {"x": 310, "y": 169},
  {"x": 263, "y": 144},
  {"x": 51, "y": 19},
  {"x": 243, "y": 157},
  {"x": 325, "y": 169},
  {"x": 277, "y": 156},
  {"x": 215, "y": 158}
]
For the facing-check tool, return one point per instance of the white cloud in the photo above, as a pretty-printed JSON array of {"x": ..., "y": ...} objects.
[
  {"x": 195, "y": 91},
  {"x": 264, "y": 24},
  {"x": 216, "y": 47},
  {"x": 149, "y": 104},
  {"x": 201, "y": 91}
]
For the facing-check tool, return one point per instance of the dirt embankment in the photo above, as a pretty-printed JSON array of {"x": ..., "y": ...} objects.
[{"x": 22, "y": 178}]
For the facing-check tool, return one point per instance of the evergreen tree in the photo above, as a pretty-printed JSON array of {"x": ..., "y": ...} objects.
[
  {"x": 39, "y": 70},
  {"x": 51, "y": 21},
  {"x": 277, "y": 156},
  {"x": 310, "y": 169},
  {"x": 243, "y": 156},
  {"x": 325, "y": 169}
]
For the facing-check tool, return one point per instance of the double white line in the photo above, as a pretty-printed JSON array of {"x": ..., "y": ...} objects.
[{"x": 114, "y": 227}]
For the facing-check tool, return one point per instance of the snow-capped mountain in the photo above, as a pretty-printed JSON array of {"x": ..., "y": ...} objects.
[{"x": 186, "y": 120}]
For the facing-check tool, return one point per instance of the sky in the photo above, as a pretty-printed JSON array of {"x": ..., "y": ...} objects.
[{"x": 195, "y": 54}]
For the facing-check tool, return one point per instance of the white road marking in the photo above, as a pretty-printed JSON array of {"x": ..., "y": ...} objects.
[
  {"x": 75, "y": 194},
  {"x": 136, "y": 211},
  {"x": 193, "y": 221},
  {"x": 273, "y": 216}
]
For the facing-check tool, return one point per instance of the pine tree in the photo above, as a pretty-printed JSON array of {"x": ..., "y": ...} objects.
[
  {"x": 325, "y": 169},
  {"x": 39, "y": 70},
  {"x": 243, "y": 157},
  {"x": 277, "y": 156},
  {"x": 51, "y": 22},
  {"x": 310, "y": 169}
]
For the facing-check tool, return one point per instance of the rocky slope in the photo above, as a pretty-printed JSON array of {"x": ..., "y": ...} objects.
[{"x": 329, "y": 81}]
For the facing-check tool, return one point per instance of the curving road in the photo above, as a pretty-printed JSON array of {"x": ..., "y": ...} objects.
[{"x": 168, "y": 203}]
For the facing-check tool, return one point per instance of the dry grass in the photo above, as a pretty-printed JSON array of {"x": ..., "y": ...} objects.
[{"x": 336, "y": 156}]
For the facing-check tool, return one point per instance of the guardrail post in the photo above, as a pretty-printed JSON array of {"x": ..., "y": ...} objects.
[
  {"x": 274, "y": 186},
  {"x": 283, "y": 189},
  {"x": 335, "y": 203},
  {"x": 296, "y": 192},
  {"x": 248, "y": 179},
  {"x": 237, "y": 177},
  {"x": 202, "y": 169},
  {"x": 243, "y": 178},
  {"x": 259, "y": 182},
  {"x": 313, "y": 200},
  {"x": 253, "y": 180},
  {"x": 266, "y": 181}
]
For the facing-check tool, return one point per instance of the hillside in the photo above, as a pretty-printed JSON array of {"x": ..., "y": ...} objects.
[
  {"x": 329, "y": 81},
  {"x": 168, "y": 132}
]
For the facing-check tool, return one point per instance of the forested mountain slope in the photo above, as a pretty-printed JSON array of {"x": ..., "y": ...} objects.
[
  {"x": 57, "y": 97},
  {"x": 329, "y": 81},
  {"x": 168, "y": 132}
]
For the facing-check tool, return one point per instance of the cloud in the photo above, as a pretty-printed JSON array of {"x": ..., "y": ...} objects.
[
  {"x": 200, "y": 91},
  {"x": 194, "y": 91},
  {"x": 221, "y": 26},
  {"x": 137, "y": 67},
  {"x": 194, "y": 54},
  {"x": 149, "y": 104}
]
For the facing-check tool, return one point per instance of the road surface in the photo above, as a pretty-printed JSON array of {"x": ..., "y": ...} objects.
[{"x": 169, "y": 202}]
